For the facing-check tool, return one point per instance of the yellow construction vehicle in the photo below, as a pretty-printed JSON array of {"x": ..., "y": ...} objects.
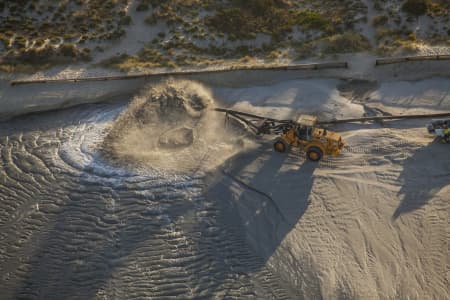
[{"x": 316, "y": 142}]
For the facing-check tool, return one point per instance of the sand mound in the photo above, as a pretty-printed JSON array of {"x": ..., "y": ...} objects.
[
  {"x": 176, "y": 138},
  {"x": 171, "y": 126}
]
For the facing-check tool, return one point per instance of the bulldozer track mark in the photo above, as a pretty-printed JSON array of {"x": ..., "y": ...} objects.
[
  {"x": 367, "y": 181},
  {"x": 436, "y": 237}
]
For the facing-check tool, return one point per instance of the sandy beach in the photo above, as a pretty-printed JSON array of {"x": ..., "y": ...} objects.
[{"x": 232, "y": 221}]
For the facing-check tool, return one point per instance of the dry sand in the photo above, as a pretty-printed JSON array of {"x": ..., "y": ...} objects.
[{"x": 371, "y": 223}]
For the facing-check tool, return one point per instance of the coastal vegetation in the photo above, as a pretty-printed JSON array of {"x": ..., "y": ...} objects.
[{"x": 38, "y": 34}]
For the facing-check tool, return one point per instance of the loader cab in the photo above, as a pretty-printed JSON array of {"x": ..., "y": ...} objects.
[
  {"x": 304, "y": 132},
  {"x": 305, "y": 127}
]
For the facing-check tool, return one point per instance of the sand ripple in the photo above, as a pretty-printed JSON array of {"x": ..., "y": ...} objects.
[{"x": 75, "y": 227}]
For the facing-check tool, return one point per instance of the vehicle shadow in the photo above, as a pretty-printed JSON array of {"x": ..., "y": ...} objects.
[
  {"x": 424, "y": 175},
  {"x": 265, "y": 195}
]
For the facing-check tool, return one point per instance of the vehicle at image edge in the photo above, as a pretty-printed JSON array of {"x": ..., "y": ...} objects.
[{"x": 436, "y": 127}]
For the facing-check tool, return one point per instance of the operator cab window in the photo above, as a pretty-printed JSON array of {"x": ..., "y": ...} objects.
[
  {"x": 309, "y": 133},
  {"x": 302, "y": 132}
]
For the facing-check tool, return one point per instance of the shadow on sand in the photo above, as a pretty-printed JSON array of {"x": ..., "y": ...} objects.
[
  {"x": 108, "y": 226},
  {"x": 266, "y": 197},
  {"x": 423, "y": 177},
  {"x": 267, "y": 193}
]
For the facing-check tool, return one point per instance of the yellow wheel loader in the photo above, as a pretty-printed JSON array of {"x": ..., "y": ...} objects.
[
  {"x": 306, "y": 135},
  {"x": 316, "y": 142}
]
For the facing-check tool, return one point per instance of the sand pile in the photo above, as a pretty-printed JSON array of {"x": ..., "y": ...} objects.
[{"x": 171, "y": 127}]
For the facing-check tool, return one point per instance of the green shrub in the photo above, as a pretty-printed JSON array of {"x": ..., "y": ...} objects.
[
  {"x": 47, "y": 55},
  {"x": 379, "y": 20},
  {"x": 383, "y": 33},
  {"x": 347, "y": 43},
  {"x": 151, "y": 20},
  {"x": 54, "y": 39},
  {"x": 39, "y": 42},
  {"x": 142, "y": 7},
  {"x": 20, "y": 42},
  {"x": 305, "y": 49},
  {"x": 170, "y": 64},
  {"x": 377, "y": 5},
  {"x": 126, "y": 20},
  {"x": 116, "y": 34},
  {"x": 85, "y": 54},
  {"x": 415, "y": 7},
  {"x": 115, "y": 60},
  {"x": 4, "y": 39},
  {"x": 439, "y": 8},
  {"x": 243, "y": 50},
  {"x": 68, "y": 49},
  {"x": 246, "y": 59},
  {"x": 243, "y": 19},
  {"x": 312, "y": 20},
  {"x": 274, "y": 54},
  {"x": 35, "y": 56}
]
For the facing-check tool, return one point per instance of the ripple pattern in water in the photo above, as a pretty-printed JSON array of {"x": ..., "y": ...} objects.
[{"x": 73, "y": 227}]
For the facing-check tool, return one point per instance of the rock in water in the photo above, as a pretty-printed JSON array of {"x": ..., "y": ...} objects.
[{"x": 176, "y": 138}]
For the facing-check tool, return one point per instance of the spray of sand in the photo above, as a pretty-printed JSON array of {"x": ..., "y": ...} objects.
[{"x": 172, "y": 127}]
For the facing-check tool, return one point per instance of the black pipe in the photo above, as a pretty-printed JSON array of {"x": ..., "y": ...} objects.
[{"x": 363, "y": 119}]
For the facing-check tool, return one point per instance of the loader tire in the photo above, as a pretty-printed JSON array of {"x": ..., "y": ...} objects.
[
  {"x": 314, "y": 153},
  {"x": 281, "y": 146}
]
